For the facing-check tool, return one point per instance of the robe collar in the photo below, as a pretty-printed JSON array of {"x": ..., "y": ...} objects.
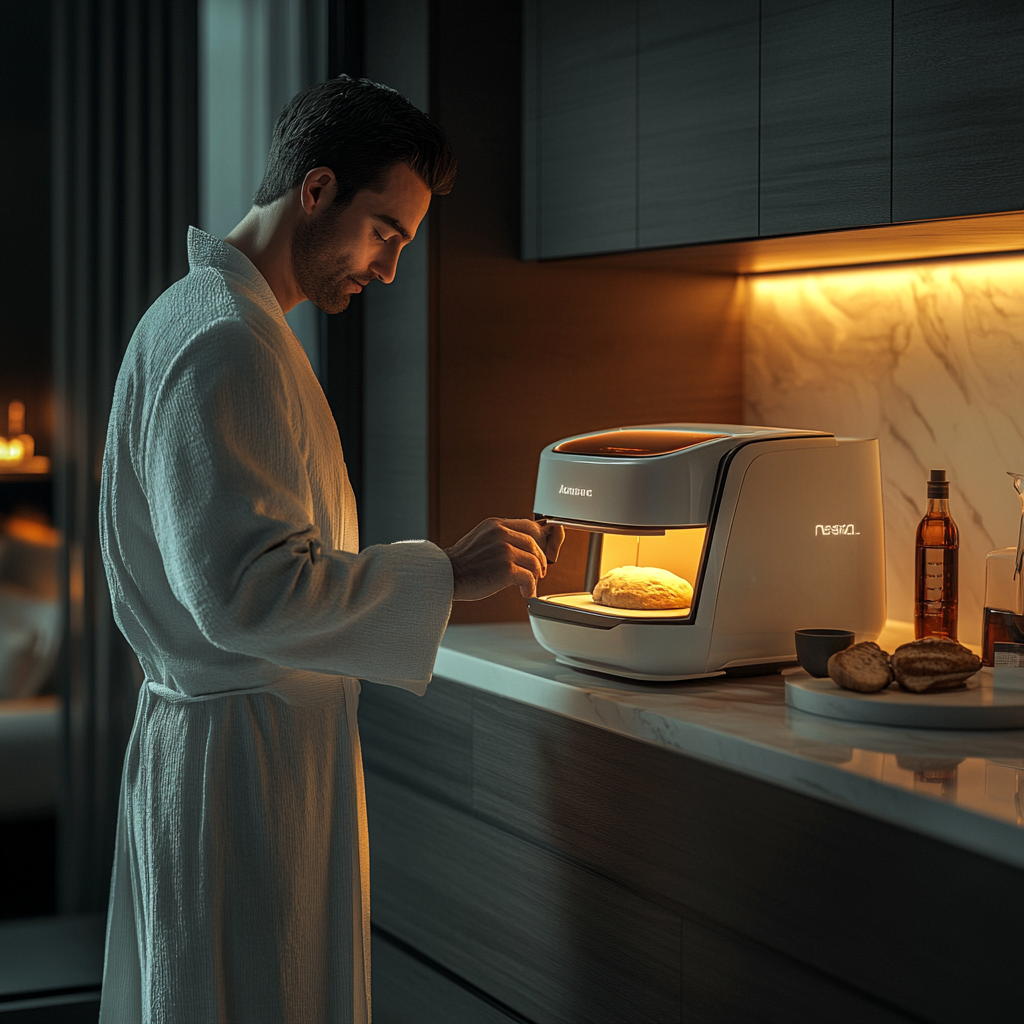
[{"x": 206, "y": 250}]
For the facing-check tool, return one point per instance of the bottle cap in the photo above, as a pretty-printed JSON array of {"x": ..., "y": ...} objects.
[{"x": 938, "y": 485}]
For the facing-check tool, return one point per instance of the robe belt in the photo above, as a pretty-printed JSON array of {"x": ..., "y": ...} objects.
[{"x": 287, "y": 688}]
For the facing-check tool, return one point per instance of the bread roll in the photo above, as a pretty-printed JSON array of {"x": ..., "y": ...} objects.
[
  {"x": 932, "y": 664},
  {"x": 642, "y": 588},
  {"x": 864, "y": 667}
]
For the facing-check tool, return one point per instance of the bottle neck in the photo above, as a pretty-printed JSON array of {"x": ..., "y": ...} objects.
[{"x": 938, "y": 507}]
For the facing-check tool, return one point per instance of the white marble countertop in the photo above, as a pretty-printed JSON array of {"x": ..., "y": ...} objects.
[{"x": 965, "y": 788}]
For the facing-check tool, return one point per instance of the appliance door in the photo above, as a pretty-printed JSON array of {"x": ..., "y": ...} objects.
[{"x": 679, "y": 551}]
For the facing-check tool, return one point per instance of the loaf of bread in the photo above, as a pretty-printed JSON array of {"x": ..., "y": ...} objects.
[
  {"x": 642, "y": 588},
  {"x": 864, "y": 667},
  {"x": 932, "y": 664}
]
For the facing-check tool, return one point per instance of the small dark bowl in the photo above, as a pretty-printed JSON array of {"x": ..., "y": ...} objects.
[{"x": 815, "y": 646}]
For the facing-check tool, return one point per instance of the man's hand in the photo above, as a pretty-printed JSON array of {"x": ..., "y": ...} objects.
[{"x": 501, "y": 553}]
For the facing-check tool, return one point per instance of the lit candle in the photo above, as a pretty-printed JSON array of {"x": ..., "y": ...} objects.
[
  {"x": 18, "y": 450},
  {"x": 12, "y": 450}
]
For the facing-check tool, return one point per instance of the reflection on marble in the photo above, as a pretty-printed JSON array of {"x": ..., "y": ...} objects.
[
  {"x": 964, "y": 788},
  {"x": 927, "y": 357}
]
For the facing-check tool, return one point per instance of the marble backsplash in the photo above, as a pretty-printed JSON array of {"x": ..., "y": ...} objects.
[{"x": 928, "y": 358}]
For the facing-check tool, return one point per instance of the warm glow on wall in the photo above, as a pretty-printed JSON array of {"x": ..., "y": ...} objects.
[
  {"x": 1001, "y": 273},
  {"x": 929, "y": 358}
]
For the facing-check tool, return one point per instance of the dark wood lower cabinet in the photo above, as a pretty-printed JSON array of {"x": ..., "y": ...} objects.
[
  {"x": 539, "y": 933},
  {"x": 574, "y": 875},
  {"x": 409, "y": 989}
]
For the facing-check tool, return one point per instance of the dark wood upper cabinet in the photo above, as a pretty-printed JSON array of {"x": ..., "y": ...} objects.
[
  {"x": 655, "y": 123},
  {"x": 825, "y": 114},
  {"x": 697, "y": 96},
  {"x": 585, "y": 69},
  {"x": 958, "y": 107}
]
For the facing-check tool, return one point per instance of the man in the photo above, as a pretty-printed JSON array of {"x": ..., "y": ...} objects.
[{"x": 228, "y": 526}]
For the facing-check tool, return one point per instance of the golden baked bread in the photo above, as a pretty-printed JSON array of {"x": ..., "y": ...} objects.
[
  {"x": 932, "y": 664},
  {"x": 864, "y": 667},
  {"x": 642, "y": 588}
]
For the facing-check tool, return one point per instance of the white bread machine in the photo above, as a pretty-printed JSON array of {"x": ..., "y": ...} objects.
[{"x": 775, "y": 529}]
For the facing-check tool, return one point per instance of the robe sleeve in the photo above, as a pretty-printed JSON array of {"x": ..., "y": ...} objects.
[{"x": 224, "y": 471}]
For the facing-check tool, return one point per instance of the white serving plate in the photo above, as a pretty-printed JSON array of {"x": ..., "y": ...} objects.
[{"x": 977, "y": 707}]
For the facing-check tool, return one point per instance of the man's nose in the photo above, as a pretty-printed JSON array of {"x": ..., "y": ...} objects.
[{"x": 386, "y": 264}]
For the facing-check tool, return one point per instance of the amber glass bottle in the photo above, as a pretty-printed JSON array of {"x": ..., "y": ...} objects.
[{"x": 938, "y": 565}]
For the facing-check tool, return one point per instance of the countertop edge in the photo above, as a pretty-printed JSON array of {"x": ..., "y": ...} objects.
[{"x": 928, "y": 816}]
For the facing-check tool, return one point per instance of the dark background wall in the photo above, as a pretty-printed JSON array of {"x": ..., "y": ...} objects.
[
  {"x": 524, "y": 353},
  {"x": 25, "y": 202},
  {"x": 125, "y": 129},
  {"x": 27, "y": 845}
]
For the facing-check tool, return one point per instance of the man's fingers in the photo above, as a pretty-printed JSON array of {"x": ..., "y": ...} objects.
[
  {"x": 525, "y": 541},
  {"x": 529, "y": 561},
  {"x": 503, "y": 552},
  {"x": 525, "y": 580},
  {"x": 549, "y": 536},
  {"x": 555, "y": 534},
  {"x": 528, "y": 526}
]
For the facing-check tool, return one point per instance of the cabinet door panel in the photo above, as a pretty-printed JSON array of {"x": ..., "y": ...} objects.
[
  {"x": 587, "y": 126},
  {"x": 407, "y": 991},
  {"x": 697, "y": 107},
  {"x": 424, "y": 742},
  {"x": 825, "y": 114},
  {"x": 546, "y": 938},
  {"x": 958, "y": 107},
  {"x": 780, "y": 869}
]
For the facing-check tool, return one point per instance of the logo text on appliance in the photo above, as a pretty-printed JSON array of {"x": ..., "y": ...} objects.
[
  {"x": 836, "y": 530},
  {"x": 578, "y": 492}
]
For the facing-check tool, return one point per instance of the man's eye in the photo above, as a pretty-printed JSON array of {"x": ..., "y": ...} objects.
[{"x": 378, "y": 235}]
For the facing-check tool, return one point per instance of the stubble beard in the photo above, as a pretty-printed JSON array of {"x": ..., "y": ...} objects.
[{"x": 319, "y": 271}]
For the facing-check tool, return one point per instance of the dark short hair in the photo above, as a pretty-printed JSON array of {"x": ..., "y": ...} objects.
[{"x": 360, "y": 130}]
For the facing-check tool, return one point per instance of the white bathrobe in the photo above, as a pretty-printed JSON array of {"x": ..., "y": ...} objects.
[{"x": 228, "y": 529}]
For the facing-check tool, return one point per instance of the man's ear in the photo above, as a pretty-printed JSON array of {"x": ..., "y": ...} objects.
[{"x": 318, "y": 189}]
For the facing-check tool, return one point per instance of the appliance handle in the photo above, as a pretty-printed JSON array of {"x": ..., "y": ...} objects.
[{"x": 628, "y": 531}]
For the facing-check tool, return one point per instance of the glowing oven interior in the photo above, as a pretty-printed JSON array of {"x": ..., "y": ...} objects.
[{"x": 680, "y": 551}]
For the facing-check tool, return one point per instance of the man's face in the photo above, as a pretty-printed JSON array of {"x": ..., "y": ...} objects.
[{"x": 336, "y": 253}]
